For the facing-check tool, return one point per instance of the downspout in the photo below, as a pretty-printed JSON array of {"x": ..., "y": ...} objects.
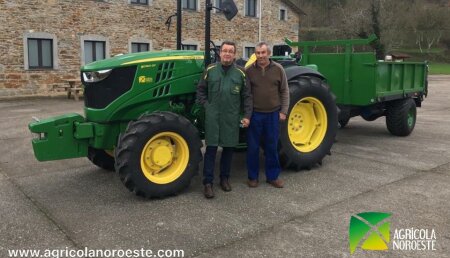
[{"x": 260, "y": 14}]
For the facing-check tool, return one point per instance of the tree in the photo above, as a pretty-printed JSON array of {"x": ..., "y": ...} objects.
[{"x": 429, "y": 25}]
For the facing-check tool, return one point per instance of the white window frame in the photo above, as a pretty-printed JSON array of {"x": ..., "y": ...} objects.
[
  {"x": 40, "y": 35},
  {"x": 94, "y": 38},
  {"x": 191, "y": 10},
  {"x": 215, "y": 5},
  {"x": 149, "y": 2},
  {"x": 258, "y": 4},
  {"x": 139, "y": 40},
  {"x": 243, "y": 50},
  {"x": 219, "y": 43},
  {"x": 285, "y": 13},
  {"x": 191, "y": 42}
]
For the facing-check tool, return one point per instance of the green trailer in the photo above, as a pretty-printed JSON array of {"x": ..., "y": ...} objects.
[{"x": 367, "y": 87}]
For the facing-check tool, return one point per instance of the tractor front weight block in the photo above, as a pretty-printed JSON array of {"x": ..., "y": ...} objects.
[{"x": 61, "y": 137}]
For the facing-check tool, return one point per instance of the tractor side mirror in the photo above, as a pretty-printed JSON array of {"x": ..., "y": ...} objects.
[{"x": 229, "y": 9}]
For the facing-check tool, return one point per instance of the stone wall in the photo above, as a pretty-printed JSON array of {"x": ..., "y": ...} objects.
[{"x": 70, "y": 20}]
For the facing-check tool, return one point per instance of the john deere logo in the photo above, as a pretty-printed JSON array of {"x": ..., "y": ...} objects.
[
  {"x": 370, "y": 231},
  {"x": 143, "y": 79}
]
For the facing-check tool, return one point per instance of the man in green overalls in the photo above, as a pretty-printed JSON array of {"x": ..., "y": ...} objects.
[{"x": 221, "y": 90}]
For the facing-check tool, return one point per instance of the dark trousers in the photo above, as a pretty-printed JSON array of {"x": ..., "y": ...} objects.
[
  {"x": 265, "y": 125},
  {"x": 210, "y": 161}
]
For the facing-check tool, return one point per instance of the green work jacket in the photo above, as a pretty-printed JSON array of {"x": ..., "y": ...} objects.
[{"x": 221, "y": 93}]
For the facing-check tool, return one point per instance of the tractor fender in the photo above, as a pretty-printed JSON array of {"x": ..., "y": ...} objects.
[{"x": 293, "y": 71}]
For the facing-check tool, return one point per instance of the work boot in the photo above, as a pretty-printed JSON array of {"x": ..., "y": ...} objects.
[
  {"x": 252, "y": 183},
  {"x": 225, "y": 185},
  {"x": 276, "y": 183},
  {"x": 208, "y": 191}
]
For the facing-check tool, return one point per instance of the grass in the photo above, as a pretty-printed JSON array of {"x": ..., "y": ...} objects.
[{"x": 439, "y": 68}]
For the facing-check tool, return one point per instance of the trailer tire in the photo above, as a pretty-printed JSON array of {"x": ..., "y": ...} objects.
[
  {"x": 101, "y": 158},
  {"x": 158, "y": 154},
  {"x": 401, "y": 117},
  {"x": 311, "y": 125}
]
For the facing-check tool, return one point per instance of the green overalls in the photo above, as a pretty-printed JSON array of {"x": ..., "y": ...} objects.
[{"x": 222, "y": 110}]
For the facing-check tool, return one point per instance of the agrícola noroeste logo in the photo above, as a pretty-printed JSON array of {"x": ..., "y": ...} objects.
[
  {"x": 373, "y": 223},
  {"x": 371, "y": 231}
]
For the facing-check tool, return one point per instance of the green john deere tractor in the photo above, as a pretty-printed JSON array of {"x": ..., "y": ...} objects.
[{"x": 141, "y": 120}]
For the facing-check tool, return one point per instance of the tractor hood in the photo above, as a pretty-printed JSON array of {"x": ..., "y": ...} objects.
[{"x": 142, "y": 57}]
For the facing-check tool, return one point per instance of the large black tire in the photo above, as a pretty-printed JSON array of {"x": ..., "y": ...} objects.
[
  {"x": 401, "y": 117},
  {"x": 158, "y": 154},
  {"x": 309, "y": 97},
  {"x": 101, "y": 158}
]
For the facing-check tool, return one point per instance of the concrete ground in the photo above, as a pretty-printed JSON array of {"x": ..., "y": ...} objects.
[{"x": 74, "y": 204}]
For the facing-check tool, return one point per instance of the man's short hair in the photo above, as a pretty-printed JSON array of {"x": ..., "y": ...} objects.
[
  {"x": 263, "y": 43},
  {"x": 230, "y": 43}
]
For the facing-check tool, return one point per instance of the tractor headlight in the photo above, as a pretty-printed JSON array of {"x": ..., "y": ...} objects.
[{"x": 96, "y": 76}]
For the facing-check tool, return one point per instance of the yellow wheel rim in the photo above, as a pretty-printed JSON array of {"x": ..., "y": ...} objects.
[
  {"x": 307, "y": 124},
  {"x": 164, "y": 158}
]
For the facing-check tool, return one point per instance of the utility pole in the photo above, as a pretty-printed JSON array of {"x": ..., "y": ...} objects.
[
  {"x": 208, "y": 32},
  {"x": 179, "y": 25}
]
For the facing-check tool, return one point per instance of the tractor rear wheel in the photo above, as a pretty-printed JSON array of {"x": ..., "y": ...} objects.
[
  {"x": 158, "y": 154},
  {"x": 401, "y": 117},
  {"x": 101, "y": 158},
  {"x": 311, "y": 125}
]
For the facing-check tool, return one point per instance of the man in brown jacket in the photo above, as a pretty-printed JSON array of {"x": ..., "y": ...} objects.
[{"x": 270, "y": 91}]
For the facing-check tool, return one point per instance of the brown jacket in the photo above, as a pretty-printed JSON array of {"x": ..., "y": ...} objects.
[{"x": 269, "y": 88}]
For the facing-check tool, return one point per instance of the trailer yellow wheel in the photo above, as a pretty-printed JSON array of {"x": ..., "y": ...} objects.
[
  {"x": 307, "y": 124},
  {"x": 164, "y": 157},
  {"x": 158, "y": 154}
]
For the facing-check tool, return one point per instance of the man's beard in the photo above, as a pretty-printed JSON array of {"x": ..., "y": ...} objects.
[{"x": 227, "y": 62}]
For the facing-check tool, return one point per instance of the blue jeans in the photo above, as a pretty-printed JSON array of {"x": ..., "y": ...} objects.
[
  {"x": 210, "y": 161},
  {"x": 265, "y": 126}
]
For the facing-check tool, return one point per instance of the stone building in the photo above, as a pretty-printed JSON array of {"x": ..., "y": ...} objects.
[{"x": 43, "y": 43}]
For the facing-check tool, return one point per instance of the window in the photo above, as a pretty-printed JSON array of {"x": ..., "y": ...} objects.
[
  {"x": 140, "y": 2},
  {"x": 139, "y": 47},
  {"x": 248, "y": 51},
  {"x": 218, "y": 4},
  {"x": 93, "y": 51},
  {"x": 283, "y": 16},
  {"x": 189, "y": 4},
  {"x": 40, "y": 53},
  {"x": 139, "y": 44},
  {"x": 143, "y": 2},
  {"x": 189, "y": 47},
  {"x": 94, "y": 48},
  {"x": 250, "y": 8}
]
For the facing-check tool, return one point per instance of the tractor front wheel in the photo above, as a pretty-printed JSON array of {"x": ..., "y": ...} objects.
[
  {"x": 158, "y": 154},
  {"x": 310, "y": 128},
  {"x": 101, "y": 158}
]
